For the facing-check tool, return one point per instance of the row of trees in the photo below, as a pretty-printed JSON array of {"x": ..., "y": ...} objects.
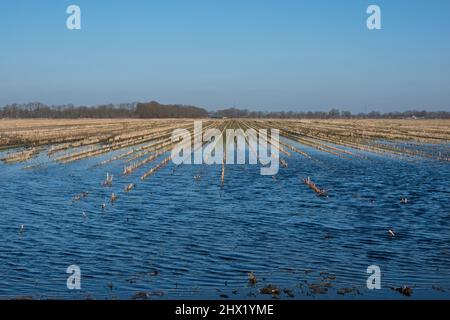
[
  {"x": 132, "y": 110},
  {"x": 39, "y": 110},
  {"x": 332, "y": 114},
  {"x": 156, "y": 110}
]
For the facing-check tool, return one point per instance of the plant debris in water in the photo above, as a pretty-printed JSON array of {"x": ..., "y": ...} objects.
[
  {"x": 252, "y": 278},
  {"x": 270, "y": 290},
  {"x": 404, "y": 290}
]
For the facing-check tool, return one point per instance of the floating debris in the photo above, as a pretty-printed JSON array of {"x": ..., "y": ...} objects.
[
  {"x": 252, "y": 278},
  {"x": 316, "y": 189},
  {"x": 113, "y": 197},
  {"x": 404, "y": 290},
  {"x": 289, "y": 293},
  {"x": 84, "y": 214},
  {"x": 391, "y": 233},
  {"x": 318, "y": 288},
  {"x": 343, "y": 291},
  {"x": 283, "y": 163},
  {"x": 270, "y": 290},
  {"x": 140, "y": 295},
  {"x": 146, "y": 295},
  {"x": 109, "y": 180},
  {"x": 78, "y": 197}
]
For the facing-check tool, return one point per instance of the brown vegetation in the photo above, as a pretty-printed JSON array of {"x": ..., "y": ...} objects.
[{"x": 137, "y": 143}]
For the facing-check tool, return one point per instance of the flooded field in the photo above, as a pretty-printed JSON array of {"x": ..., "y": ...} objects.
[{"x": 156, "y": 230}]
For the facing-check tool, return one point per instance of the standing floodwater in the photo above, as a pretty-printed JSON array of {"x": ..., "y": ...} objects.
[{"x": 182, "y": 231}]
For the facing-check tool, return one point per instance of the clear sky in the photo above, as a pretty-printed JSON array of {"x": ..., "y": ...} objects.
[{"x": 256, "y": 54}]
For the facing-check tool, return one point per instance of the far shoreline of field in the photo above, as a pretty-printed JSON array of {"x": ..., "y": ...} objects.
[{"x": 33, "y": 132}]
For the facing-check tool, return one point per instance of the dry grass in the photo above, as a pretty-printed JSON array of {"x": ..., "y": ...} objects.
[
  {"x": 141, "y": 142},
  {"x": 144, "y": 141}
]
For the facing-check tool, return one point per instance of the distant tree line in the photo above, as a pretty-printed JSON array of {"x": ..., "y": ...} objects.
[
  {"x": 127, "y": 110},
  {"x": 156, "y": 110},
  {"x": 39, "y": 110},
  {"x": 332, "y": 114}
]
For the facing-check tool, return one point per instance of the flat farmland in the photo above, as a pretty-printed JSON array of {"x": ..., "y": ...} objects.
[{"x": 104, "y": 194}]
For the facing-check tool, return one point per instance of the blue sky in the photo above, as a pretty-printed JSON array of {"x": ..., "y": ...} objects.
[{"x": 256, "y": 54}]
